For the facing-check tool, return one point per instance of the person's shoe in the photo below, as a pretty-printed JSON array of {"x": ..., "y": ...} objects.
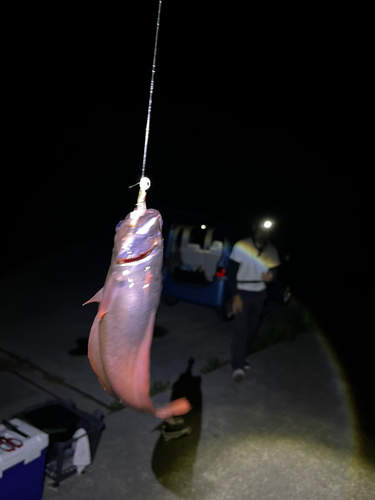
[{"x": 238, "y": 375}]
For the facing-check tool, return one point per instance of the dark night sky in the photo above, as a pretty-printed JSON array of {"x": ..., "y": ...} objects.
[
  {"x": 250, "y": 91},
  {"x": 251, "y": 111}
]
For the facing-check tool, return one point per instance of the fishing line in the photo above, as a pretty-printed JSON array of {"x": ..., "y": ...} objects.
[{"x": 151, "y": 92}]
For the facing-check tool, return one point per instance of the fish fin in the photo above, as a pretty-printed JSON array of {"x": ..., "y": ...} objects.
[
  {"x": 96, "y": 298},
  {"x": 104, "y": 296},
  {"x": 173, "y": 408},
  {"x": 109, "y": 293}
]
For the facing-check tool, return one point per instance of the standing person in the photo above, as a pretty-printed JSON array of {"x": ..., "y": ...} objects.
[{"x": 252, "y": 264}]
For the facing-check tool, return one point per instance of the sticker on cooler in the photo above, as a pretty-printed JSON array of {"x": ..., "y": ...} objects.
[{"x": 30, "y": 448}]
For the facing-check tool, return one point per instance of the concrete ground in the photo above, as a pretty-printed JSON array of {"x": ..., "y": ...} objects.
[{"x": 286, "y": 432}]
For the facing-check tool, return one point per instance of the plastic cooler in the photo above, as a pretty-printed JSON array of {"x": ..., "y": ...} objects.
[
  {"x": 22, "y": 469},
  {"x": 60, "y": 419}
]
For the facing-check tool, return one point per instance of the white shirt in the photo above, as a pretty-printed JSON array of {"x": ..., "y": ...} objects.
[{"x": 251, "y": 265}]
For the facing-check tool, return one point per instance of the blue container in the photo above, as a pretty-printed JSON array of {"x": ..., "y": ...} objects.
[
  {"x": 210, "y": 295},
  {"x": 195, "y": 264},
  {"x": 22, "y": 469}
]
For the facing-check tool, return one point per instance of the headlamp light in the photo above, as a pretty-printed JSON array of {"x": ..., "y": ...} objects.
[{"x": 266, "y": 224}]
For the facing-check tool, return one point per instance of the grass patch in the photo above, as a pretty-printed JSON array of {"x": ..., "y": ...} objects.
[
  {"x": 307, "y": 321},
  {"x": 158, "y": 387},
  {"x": 115, "y": 406},
  {"x": 294, "y": 321},
  {"x": 300, "y": 319},
  {"x": 9, "y": 365},
  {"x": 213, "y": 364},
  {"x": 273, "y": 336},
  {"x": 54, "y": 379}
]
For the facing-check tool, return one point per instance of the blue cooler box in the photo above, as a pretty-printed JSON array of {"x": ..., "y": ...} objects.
[{"x": 22, "y": 469}]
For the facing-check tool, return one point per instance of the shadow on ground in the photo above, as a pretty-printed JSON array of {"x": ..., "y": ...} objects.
[
  {"x": 173, "y": 460},
  {"x": 81, "y": 349}
]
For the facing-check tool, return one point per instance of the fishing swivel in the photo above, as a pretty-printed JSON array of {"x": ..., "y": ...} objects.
[{"x": 144, "y": 184}]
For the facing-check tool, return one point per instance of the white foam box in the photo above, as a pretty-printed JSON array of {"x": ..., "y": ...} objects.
[{"x": 22, "y": 469}]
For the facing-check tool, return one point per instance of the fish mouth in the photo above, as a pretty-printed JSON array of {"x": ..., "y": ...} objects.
[{"x": 141, "y": 256}]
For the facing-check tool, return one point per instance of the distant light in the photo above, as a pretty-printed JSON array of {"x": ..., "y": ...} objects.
[
  {"x": 267, "y": 224},
  {"x": 203, "y": 226}
]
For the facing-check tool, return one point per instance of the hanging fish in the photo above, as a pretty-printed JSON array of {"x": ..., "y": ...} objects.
[{"x": 121, "y": 335}]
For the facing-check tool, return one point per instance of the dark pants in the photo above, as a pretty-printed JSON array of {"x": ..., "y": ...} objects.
[{"x": 246, "y": 325}]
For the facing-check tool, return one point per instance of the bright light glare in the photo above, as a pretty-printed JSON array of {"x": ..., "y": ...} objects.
[
  {"x": 203, "y": 226},
  {"x": 146, "y": 226},
  {"x": 267, "y": 224}
]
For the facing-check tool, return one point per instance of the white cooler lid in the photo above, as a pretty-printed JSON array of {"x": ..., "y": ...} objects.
[{"x": 31, "y": 448}]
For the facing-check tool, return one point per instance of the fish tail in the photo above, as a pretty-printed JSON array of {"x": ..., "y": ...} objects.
[{"x": 173, "y": 409}]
